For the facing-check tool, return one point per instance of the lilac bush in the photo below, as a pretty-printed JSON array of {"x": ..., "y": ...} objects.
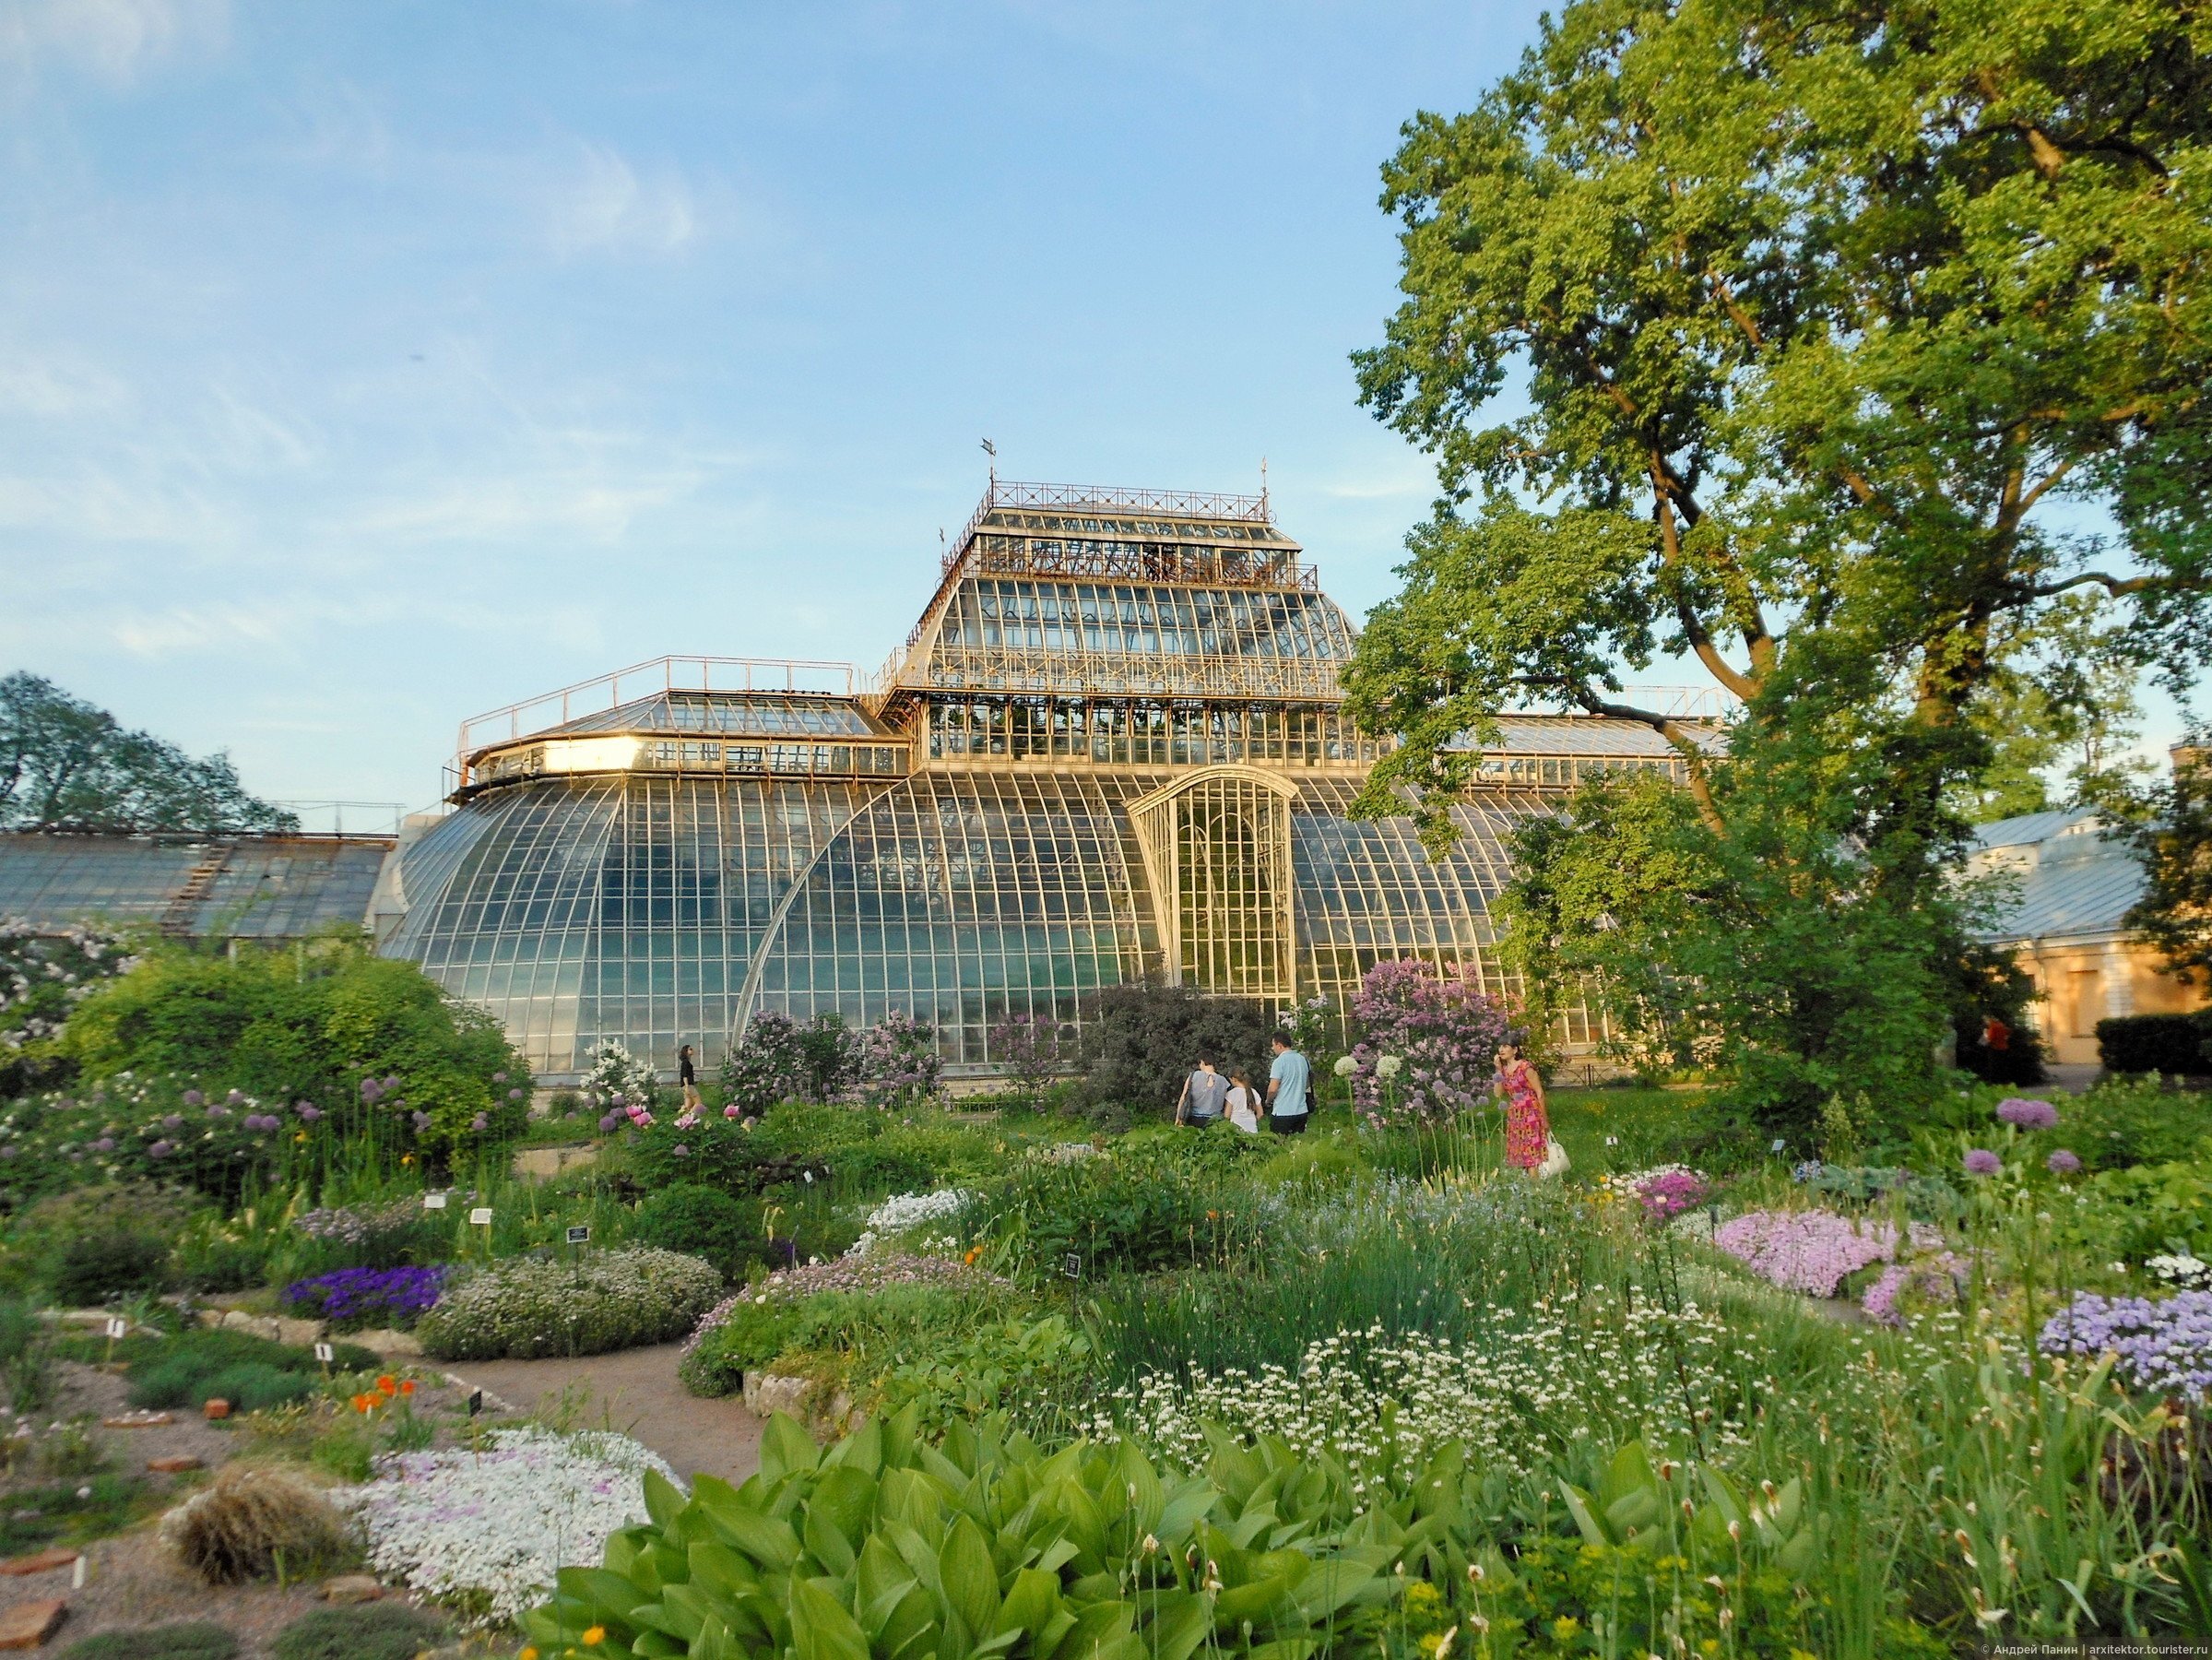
[
  {"x": 898, "y": 1062},
  {"x": 1814, "y": 1251},
  {"x": 1444, "y": 1030},
  {"x": 2165, "y": 1347},
  {"x": 367, "y": 1295}
]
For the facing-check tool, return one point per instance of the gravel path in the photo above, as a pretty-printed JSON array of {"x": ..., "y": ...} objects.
[{"x": 634, "y": 1392}]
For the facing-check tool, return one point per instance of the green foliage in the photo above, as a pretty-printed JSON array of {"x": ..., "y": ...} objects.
[
  {"x": 2127, "y": 1121},
  {"x": 201, "y": 1640},
  {"x": 1820, "y": 313},
  {"x": 525, "y": 1309},
  {"x": 1313, "y": 1164},
  {"x": 2158, "y": 1044},
  {"x": 73, "y": 1509},
  {"x": 2172, "y": 833},
  {"x": 48, "y": 972},
  {"x": 67, "y": 764},
  {"x": 104, "y": 1242},
  {"x": 869, "y": 1342},
  {"x": 2130, "y": 1214},
  {"x": 379, "y": 1630},
  {"x": 1140, "y": 1041},
  {"x": 703, "y": 1222},
  {"x": 187, "y": 1370},
  {"x": 26, "y": 1357},
  {"x": 886, "y": 1546},
  {"x": 283, "y": 1027},
  {"x": 1166, "y": 1199}
]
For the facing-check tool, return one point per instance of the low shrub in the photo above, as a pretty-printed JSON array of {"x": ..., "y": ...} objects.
[
  {"x": 1312, "y": 1164},
  {"x": 703, "y": 1222},
  {"x": 255, "y": 1386},
  {"x": 251, "y": 1522},
  {"x": 528, "y": 1307},
  {"x": 104, "y": 1242},
  {"x": 75, "y": 1508},
  {"x": 2127, "y": 1121},
  {"x": 383, "y": 1631},
  {"x": 184, "y": 1371},
  {"x": 199, "y": 1641},
  {"x": 2156, "y": 1043}
]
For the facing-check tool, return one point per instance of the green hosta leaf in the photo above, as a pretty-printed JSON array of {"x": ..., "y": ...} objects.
[
  {"x": 820, "y": 1628},
  {"x": 684, "y": 1610},
  {"x": 1185, "y": 1503},
  {"x": 1178, "y": 1621},
  {"x": 1578, "y": 1507},
  {"x": 719, "y": 1569},
  {"x": 827, "y": 1545},
  {"x": 1057, "y": 1554},
  {"x": 766, "y": 1540},
  {"x": 1102, "y": 1630},
  {"x": 908, "y": 1625},
  {"x": 664, "y": 1500},
  {"x": 1261, "y": 1600},
  {"x": 1031, "y": 1600},
  {"x": 787, "y": 1448},
  {"x": 846, "y": 1498},
  {"x": 879, "y": 1574},
  {"x": 1284, "y": 1648},
  {"x": 609, "y": 1595},
  {"x": 910, "y": 1497},
  {"x": 971, "y": 1578},
  {"x": 716, "y": 1642},
  {"x": 1353, "y": 1575}
]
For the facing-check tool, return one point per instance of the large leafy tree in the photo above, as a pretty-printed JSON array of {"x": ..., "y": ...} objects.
[
  {"x": 2171, "y": 832},
  {"x": 1772, "y": 336},
  {"x": 66, "y": 764}
]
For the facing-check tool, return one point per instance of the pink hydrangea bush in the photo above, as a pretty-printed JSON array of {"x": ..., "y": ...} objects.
[{"x": 1815, "y": 1252}]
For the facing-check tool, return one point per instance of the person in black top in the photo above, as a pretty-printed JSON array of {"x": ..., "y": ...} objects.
[{"x": 686, "y": 1075}]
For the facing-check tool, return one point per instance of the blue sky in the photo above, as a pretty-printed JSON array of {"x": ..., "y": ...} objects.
[{"x": 364, "y": 366}]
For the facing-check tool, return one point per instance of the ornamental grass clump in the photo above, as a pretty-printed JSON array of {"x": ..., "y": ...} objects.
[
  {"x": 252, "y": 1523},
  {"x": 1815, "y": 1252},
  {"x": 528, "y": 1308},
  {"x": 2163, "y": 1347}
]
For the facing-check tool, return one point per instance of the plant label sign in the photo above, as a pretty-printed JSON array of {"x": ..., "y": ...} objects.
[
  {"x": 480, "y": 1216},
  {"x": 118, "y": 1327},
  {"x": 476, "y": 1402},
  {"x": 1072, "y": 1265},
  {"x": 577, "y": 1234},
  {"x": 324, "y": 1353},
  {"x": 434, "y": 1201}
]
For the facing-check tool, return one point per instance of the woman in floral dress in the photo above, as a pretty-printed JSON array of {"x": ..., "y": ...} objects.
[{"x": 1528, "y": 1126}]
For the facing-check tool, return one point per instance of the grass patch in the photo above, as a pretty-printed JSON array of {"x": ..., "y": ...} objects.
[
  {"x": 71, "y": 1512},
  {"x": 199, "y": 1641},
  {"x": 383, "y": 1631}
]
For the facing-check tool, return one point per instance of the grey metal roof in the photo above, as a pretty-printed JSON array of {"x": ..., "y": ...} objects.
[
  {"x": 2072, "y": 879},
  {"x": 276, "y": 887},
  {"x": 1527, "y": 734},
  {"x": 767, "y": 714}
]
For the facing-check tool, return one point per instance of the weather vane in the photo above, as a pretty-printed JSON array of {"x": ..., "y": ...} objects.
[{"x": 991, "y": 450}]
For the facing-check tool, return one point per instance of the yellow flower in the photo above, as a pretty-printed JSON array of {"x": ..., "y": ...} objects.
[
  {"x": 406, "y": 1158},
  {"x": 300, "y": 1137},
  {"x": 596, "y": 1636},
  {"x": 528, "y": 1654}
]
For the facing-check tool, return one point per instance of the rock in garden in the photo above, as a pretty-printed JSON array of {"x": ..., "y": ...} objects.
[
  {"x": 45, "y": 1562},
  {"x": 217, "y": 1408},
  {"x": 27, "y": 1625},
  {"x": 353, "y": 1588},
  {"x": 175, "y": 1465},
  {"x": 137, "y": 1420}
]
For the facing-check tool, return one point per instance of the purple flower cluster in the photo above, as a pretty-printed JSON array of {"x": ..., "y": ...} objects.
[
  {"x": 2063, "y": 1162},
  {"x": 1670, "y": 1192},
  {"x": 1932, "y": 1279},
  {"x": 2026, "y": 1114},
  {"x": 1980, "y": 1161},
  {"x": 1813, "y": 1251},
  {"x": 2164, "y": 1346},
  {"x": 1444, "y": 1029},
  {"x": 351, "y": 1295}
]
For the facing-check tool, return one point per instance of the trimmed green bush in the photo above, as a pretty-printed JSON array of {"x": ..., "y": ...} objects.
[
  {"x": 383, "y": 1631},
  {"x": 185, "y": 1371},
  {"x": 528, "y": 1307},
  {"x": 2156, "y": 1043},
  {"x": 253, "y": 1386},
  {"x": 701, "y": 1222},
  {"x": 198, "y": 1640}
]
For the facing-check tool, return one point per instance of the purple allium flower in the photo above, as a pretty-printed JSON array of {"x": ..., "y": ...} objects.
[
  {"x": 391, "y": 1082},
  {"x": 515, "y": 1095},
  {"x": 608, "y": 1120},
  {"x": 1980, "y": 1161},
  {"x": 235, "y": 1097},
  {"x": 161, "y": 1149},
  {"x": 219, "y": 1110},
  {"x": 106, "y": 1144},
  {"x": 482, "y": 1122},
  {"x": 499, "y": 1077},
  {"x": 371, "y": 1089},
  {"x": 308, "y": 1111},
  {"x": 2028, "y": 1115},
  {"x": 421, "y": 1122},
  {"x": 2063, "y": 1162},
  {"x": 10, "y": 1150},
  {"x": 680, "y": 1151},
  {"x": 194, "y": 1098},
  {"x": 173, "y": 1120}
]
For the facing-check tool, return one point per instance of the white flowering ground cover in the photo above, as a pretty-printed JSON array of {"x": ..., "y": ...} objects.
[
  {"x": 903, "y": 1212},
  {"x": 1385, "y": 1406},
  {"x": 484, "y": 1533}
]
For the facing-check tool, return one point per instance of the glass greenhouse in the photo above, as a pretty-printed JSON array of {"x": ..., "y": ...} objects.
[{"x": 1113, "y": 745}]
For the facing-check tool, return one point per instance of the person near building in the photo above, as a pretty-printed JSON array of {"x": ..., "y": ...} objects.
[
  {"x": 1203, "y": 1092},
  {"x": 687, "y": 1076},
  {"x": 1528, "y": 1124},
  {"x": 1244, "y": 1102},
  {"x": 1286, "y": 1080}
]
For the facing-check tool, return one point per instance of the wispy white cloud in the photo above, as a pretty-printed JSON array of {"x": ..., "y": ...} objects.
[
  {"x": 602, "y": 204},
  {"x": 58, "y": 389},
  {"x": 115, "y": 41}
]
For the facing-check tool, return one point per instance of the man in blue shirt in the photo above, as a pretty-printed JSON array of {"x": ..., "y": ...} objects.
[{"x": 1286, "y": 1088}]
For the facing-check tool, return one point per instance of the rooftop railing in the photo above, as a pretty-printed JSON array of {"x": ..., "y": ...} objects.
[
  {"x": 1107, "y": 498},
  {"x": 642, "y": 679}
]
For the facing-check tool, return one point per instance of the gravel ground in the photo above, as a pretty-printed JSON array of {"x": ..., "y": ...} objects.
[{"x": 634, "y": 1392}]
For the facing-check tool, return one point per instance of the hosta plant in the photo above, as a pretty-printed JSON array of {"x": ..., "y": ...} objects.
[{"x": 885, "y": 1546}]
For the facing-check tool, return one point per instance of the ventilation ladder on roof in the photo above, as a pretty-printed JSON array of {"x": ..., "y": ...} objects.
[{"x": 199, "y": 884}]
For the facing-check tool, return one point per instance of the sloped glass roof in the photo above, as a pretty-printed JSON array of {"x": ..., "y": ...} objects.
[{"x": 765, "y": 715}]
